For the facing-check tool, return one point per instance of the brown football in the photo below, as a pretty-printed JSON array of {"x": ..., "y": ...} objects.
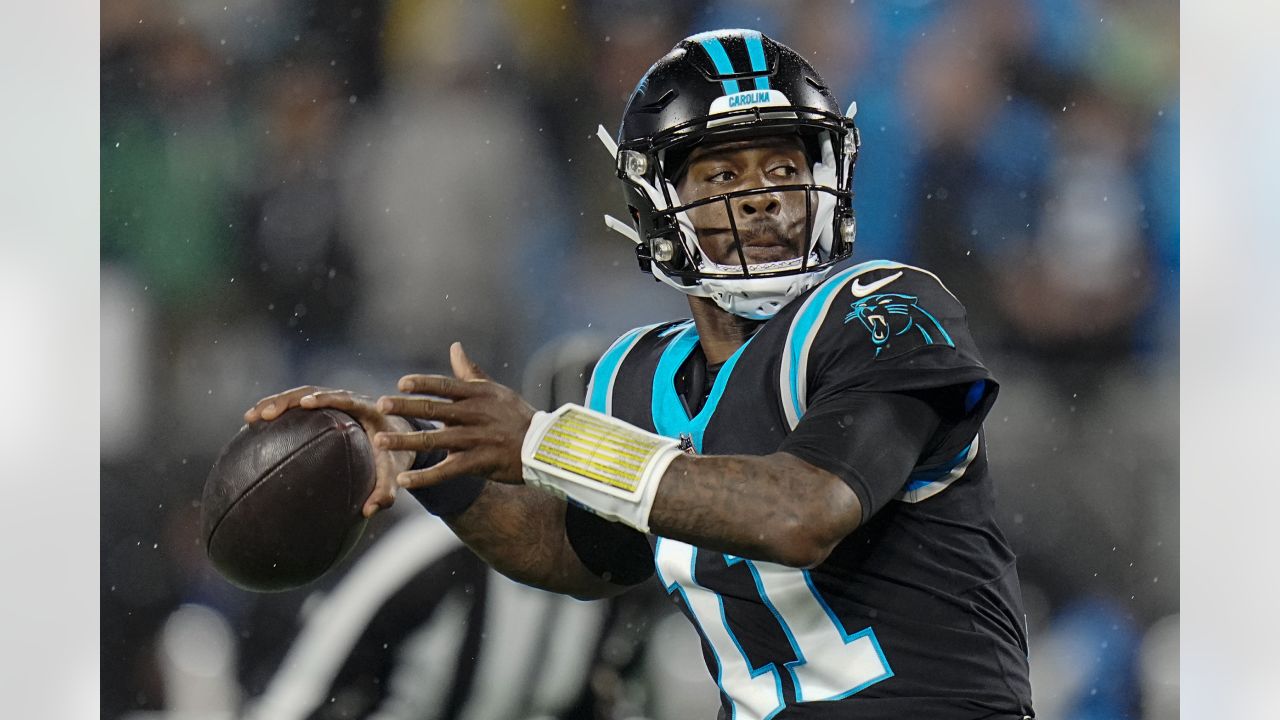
[{"x": 282, "y": 503}]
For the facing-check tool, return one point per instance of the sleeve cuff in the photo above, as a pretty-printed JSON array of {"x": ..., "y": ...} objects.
[
  {"x": 451, "y": 497},
  {"x": 840, "y": 469},
  {"x": 424, "y": 460}
]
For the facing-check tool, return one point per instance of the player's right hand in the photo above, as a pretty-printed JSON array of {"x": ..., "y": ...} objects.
[{"x": 388, "y": 463}]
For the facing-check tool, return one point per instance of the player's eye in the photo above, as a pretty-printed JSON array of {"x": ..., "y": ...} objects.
[
  {"x": 784, "y": 171},
  {"x": 722, "y": 176}
]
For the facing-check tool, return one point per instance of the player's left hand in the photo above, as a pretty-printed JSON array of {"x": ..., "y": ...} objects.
[{"x": 485, "y": 423}]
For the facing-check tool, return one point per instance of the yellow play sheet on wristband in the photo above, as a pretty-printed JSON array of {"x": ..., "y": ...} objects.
[{"x": 593, "y": 448}]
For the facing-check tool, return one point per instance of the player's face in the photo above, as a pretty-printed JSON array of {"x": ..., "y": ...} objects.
[{"x": 771, "y": 225}]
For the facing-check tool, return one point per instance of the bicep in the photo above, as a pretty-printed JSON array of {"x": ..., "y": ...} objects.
[{"x": 869, "y": 440}]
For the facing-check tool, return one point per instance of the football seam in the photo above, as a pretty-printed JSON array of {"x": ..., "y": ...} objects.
[
  {"x": 208, "y": 550},
  {"x": 346, "y": 450}
]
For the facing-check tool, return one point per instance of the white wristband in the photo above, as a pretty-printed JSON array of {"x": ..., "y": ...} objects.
[{"x": 608, "y": 466}]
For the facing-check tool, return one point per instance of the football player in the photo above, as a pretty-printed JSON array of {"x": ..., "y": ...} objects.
[{"x": 800, "y": 464}]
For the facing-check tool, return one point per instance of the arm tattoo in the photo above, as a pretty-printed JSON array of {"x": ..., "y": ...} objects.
[
  {"x": 519, "y": 531},
  {"x": 776, "y": 508}
]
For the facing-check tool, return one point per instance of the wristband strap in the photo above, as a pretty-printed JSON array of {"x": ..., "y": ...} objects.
[
  {"x": 606, "y": 465},
  {"x": 451, "y": 497}
]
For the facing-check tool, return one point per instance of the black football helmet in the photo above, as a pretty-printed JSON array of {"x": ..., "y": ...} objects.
[{"x": 722, "y": 86}]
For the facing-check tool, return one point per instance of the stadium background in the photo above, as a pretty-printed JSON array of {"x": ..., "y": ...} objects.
[{"x": 332, "y": 191}]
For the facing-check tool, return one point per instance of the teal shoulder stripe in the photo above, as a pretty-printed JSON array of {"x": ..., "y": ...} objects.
[
  {"x": 699, "y": 423},
  {"x": 755, "y": 49},
  {"x": 600, "y": 389},
  {"x": 721, "y": 60},
  {"x": 669, "y": 415}
]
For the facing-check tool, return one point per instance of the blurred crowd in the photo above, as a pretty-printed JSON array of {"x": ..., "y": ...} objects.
[{"x": 332, "y": 191}]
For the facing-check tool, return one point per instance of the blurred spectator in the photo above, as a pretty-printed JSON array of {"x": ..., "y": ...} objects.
[
  {"x": 299, "y": 265},
  {"x": 624, "y": 36},
  {"x": 1086, "y": 665},
  {"x": 975, "y": 183},
  {"x": 169, "y": 162},
  {"x": 1073, "y": 294},
  {"x": 447, "y": 183}
]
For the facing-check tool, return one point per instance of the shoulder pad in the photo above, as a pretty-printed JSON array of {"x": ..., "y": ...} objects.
[
  {"x": 860, "y": 320},
  {"x": 600, "y": 387}
]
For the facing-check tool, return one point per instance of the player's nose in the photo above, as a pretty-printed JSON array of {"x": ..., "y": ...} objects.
[{"x": 762, "y": 203}]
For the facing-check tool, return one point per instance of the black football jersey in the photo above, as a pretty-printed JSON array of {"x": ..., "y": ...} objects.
[{"x": 915, "y": 614}]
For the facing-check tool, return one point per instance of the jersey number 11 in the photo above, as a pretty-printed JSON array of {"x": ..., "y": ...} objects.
[{"x": 830, "y": 663}]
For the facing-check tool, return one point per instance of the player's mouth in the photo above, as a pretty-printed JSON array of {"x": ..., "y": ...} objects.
[
  {"x": 761, "y": 244},
  {"x": 767, "y": 244},
  {"x": 765, "y": 252}
]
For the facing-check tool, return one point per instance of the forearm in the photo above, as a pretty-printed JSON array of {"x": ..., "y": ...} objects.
[
  {"x": 776, "y": 507},
  {"x": 520, "y": 532}
]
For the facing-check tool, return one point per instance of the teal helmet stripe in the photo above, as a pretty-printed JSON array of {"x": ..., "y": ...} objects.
[
  {"x": 755, "y": 49},
  {"x": 721, "y": 59}
]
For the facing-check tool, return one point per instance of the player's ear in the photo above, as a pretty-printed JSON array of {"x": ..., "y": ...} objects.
[{"x": 463, "y": 367}]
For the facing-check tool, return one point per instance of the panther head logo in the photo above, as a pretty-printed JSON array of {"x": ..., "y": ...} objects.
[{"x": 896, "y": 322}]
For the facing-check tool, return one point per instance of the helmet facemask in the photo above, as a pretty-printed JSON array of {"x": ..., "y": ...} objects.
[
  {"x": 668, "y": 238},
  {"x": 727, "y": 86}
]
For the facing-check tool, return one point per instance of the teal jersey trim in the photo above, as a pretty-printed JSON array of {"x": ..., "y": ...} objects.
[
  {"x": 669, "y": 415},
  {"x": 920, "y": 478},
  {"x": 602, "y": 377}
]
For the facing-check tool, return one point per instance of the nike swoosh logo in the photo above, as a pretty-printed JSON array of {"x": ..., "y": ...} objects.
[{"x": 860, "y": 290}]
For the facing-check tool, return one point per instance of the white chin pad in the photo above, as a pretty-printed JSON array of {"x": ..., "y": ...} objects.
[
  {"x": 759, "y": 298},
  {"x": 735, "y": 270}
]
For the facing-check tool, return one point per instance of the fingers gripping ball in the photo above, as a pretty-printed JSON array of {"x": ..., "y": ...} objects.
[{"x": 282, "y": 503}]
